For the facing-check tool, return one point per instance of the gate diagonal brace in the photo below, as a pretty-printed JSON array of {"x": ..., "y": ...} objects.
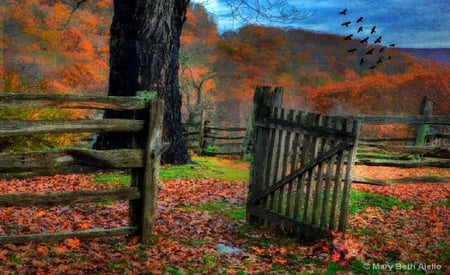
[{"x": 305, "y": 168}]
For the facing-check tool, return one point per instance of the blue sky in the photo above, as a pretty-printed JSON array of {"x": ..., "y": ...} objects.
[{"x": 407, "y": 23}]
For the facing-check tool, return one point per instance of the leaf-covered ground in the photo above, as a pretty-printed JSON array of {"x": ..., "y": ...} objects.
[{"x": 201, "y": 229}]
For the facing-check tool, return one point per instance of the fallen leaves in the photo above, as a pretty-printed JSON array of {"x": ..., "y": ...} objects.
[{"x": 185, "y": 237}]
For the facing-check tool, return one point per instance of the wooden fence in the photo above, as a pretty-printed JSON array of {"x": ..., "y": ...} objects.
[
  {"x": 403, "y": 152},
  {"x": 143, "y": 160},
  {"x": 428, "y": 145},
  {"x": 301, "y": 169},
  {"x": 213, "y": 140}
]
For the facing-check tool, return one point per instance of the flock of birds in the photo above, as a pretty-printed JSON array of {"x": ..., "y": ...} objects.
[{"x": 368, "y": 50}]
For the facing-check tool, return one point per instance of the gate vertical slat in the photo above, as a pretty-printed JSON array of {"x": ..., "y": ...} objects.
[
  {"x": 282, "y": 161},
  {"x": 337, "y": 183},
  {"x": 296, "y": 162},
  {"x": 317, "y": 121},
  {"x": 284, "y": 198},
  {"x": 301, "y": 179},
  {"x": 319, "y": 179},
  {"x": 275, "y": 157},
  {"x": 329, "y": 175},
  {"x": 356, "y": 126}
]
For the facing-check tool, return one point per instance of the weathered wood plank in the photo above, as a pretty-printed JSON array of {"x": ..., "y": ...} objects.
[
  {"x": 426, "y": 162},
  {"x": 119, "y": 158},
  {"x": 312, "y": 130},
  {"x": 348, "y": 176},
  {"x": 289, "y": 224},
  {"x": 223, "y": 137},
  {"x": 405, "y": 180},
  {"x": 69, "y": 198},
  {"x": 151, "y": 166},
  {"x": 228, "y": 129},
  {"x": 310, "y": 186},
  {"x": 92, "y": 233},
  {"x": 71, "y": 101},
  {"x": 416, "y": 119},
  {"x": 443, "y": 152},
  {"x": 18, "y": 128}
]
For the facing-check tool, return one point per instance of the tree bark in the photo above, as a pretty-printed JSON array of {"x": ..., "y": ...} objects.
[{"x": 145, "y": 42}]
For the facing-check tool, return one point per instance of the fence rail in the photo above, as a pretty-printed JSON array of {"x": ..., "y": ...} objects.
[
  {"x": 214, "y": 140},
  {"x": 143, "y": 160},
  {"x": 425, "y": 148}
]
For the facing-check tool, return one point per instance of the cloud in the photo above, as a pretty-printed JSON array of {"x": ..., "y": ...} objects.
[{"x": 408, "y": 23}]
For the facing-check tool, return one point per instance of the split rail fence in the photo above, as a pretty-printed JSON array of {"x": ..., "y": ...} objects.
[
  {"x": 214, "y": 140},
  {"x": 143, "y": 159}
]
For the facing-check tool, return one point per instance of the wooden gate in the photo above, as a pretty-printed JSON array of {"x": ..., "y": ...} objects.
[{"x": 302, "y": 167}]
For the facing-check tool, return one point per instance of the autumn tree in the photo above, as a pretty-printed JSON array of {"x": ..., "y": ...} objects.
[
  {"x": 144, "y": 49},
  {"x": 198, "y": 55},
  {"x": 145, "y": 42}
]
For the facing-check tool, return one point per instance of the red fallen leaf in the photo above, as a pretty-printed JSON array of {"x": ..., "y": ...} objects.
[
  {"x": 279, "y": 260},
  {"x": 257, "y": 249},
  {"x": 42, "y": 250},
  {"x": 3, "y": 255},
  {"x": 434, "y": 218},
  {"x": 72, "y": 243},
  {"x": 40, "y": 213},
  {"x": 338, "y": 252}
]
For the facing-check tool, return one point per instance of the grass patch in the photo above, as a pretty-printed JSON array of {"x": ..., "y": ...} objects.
[
  {"x": 121, "y": 178},
  {"x": 360, "y": 200},
  {"x": 232, "y": 211},
  {"x": 206, "y": 167},
  {"x": 202, "y": 168}
]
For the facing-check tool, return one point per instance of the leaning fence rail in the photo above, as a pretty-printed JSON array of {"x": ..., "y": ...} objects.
[{"x": 143, "y": 160}]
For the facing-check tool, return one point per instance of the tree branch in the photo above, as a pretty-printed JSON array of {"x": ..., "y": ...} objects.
[
  {"x": 265, "y": 11},
  {"x": 75, "y": 7}
]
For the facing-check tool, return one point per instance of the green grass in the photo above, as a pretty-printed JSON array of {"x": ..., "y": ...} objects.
[
  {"x": 202, "y": 168},
  {"x": 361, "y": 200},
  {"x": 121, "y": 178},
  {"x": 232, "y": 211}
]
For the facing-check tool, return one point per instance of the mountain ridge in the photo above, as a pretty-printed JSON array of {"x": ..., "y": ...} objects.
[{"x": 441, "y": 55}]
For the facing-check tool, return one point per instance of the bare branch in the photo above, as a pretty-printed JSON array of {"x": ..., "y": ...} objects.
[
  {"x": 75, "y": 6},
  {"x": 265, "y": 11}
]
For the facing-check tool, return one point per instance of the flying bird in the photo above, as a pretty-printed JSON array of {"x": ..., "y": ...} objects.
[
  {"x": 378, "y": 40},
  {"x": 370, "y": 51},
  {"x": 345, "y": 24},
  {"x": 379, "y": 60},
  {"x": 349, "y": 37},
  {"x": 381, "y": 50},
  {"x": 372, "y": 31},
  {"x": 352, "y": 50},
  {"x": 392, "y": 45},
  {"x": 364, "y": 40},
  {"x": 359, "y": 20},
  {"x": 360, "y": 29},
  {"x": 343, "y": 12},
  {"x": 361, "y": 61}
]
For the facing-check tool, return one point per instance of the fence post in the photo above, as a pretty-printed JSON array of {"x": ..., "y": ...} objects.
[
  {"x": 201, "y": 135},
  {"x": 143, "y": 211},
  {"x": 264, "y": 99},
  {"x": 426, "y": 108}
]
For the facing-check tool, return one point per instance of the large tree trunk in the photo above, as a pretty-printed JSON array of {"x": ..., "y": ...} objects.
[{"x": 145, "y": 40}]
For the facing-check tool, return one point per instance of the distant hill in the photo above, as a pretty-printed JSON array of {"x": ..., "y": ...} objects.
[{"x": 441, "y": 55}]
